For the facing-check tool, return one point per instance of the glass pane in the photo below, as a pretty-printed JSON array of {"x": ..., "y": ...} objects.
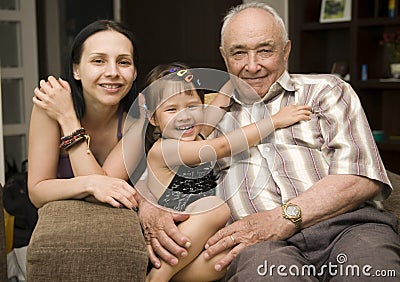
[
  {"x": 9, "y": 5},
  {"x": 10, "y": 47},
  {"x": 14, "y": 150},
  {"x": 12, "y": 100}
]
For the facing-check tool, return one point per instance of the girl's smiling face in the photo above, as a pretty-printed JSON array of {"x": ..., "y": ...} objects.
[{"x": 180, "y": 116}]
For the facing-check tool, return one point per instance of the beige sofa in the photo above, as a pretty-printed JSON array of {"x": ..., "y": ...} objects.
[{"x": 80, "y": 241}]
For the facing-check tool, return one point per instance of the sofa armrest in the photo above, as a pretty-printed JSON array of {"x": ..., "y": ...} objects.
[{"x": 80, "y": 241}]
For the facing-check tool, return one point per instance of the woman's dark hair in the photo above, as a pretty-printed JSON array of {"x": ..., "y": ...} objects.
[
  {"x": 75, "y": 57},
  {"x": 153, "y": 98}
]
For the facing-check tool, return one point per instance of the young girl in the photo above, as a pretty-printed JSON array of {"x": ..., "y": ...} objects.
[{"x": 180, "y": 171}]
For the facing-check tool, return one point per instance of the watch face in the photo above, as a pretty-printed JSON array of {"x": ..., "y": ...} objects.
[{"x": 292, "y": 211}]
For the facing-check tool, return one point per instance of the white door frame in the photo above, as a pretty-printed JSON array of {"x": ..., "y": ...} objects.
[{"x": 28, "y": 72}]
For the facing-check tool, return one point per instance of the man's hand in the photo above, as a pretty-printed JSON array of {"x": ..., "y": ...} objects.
[
  {"x": 258, "y": 227},
  {"x": 162, "y": 236}
]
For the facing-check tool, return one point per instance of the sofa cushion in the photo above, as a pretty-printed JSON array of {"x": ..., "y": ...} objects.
[{"x": 79, "y": 241}]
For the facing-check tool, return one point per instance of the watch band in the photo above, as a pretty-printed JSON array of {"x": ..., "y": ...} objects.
[{"x": 297, "y": 223}]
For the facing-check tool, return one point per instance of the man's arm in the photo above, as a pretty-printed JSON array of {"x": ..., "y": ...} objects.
[
  {"x": 163, "y": 238},
  {"x": 329, "y": 197}
]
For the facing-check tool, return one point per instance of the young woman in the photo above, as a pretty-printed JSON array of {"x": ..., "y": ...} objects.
[
  {"x": 180, "y": 171},
  {"x": 75, "y": 146}
]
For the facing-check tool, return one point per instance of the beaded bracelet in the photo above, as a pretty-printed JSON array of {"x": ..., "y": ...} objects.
[
  {"x": 67, "y": 139},
  {"x": 76, "y": 132},
  {"x": 74, "y": 138}
]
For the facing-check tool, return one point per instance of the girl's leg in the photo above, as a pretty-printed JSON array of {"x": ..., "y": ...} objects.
[
  {"x": 207, "y": 220},
  {"x": 201, "y": 270}
]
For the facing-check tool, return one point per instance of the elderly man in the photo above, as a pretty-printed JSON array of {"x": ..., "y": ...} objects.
[{"x": 305, "y": 202}]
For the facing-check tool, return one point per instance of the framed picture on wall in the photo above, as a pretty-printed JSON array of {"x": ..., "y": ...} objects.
[{"x": 335, "y": 11}]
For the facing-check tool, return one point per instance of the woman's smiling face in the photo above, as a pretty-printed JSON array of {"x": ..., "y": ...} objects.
[{"x": 106, "y": 70}]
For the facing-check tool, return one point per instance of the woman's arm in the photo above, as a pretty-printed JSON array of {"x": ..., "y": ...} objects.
[
  {"x": 54, "y": 109},
  {"x": 43, "y": 157},
  {"x": 54, "y": 98},
  {"x": 44, "y": 136}
]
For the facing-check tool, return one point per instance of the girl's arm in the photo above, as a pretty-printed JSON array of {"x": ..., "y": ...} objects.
[{"x": 174, "y": 152}]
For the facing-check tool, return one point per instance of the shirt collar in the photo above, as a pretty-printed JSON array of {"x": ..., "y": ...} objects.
[{"x": 284, "y": 83}]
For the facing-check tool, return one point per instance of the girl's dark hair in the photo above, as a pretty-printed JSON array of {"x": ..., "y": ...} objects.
[
  {"x": 75, "y": 57},
  {"x": 153, "y": 99}
]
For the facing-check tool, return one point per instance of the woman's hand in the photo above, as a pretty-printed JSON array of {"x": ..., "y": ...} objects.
[
  {"x": 113, "y": 191},
  {"x": 54, "y": 97}
]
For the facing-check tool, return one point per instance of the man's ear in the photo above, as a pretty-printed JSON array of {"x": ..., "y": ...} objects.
[
  {"x": 76, "y": 72},
  {"x": 286, "y": 50},
  {"x": 222, "y": 51}
]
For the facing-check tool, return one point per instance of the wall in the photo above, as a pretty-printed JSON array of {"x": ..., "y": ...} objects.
[
  {"x": 204, "y": 18},
  {"x": 58, "y": 23},
  {"x": 181, "y": 30},
  {"x": 281, "y": 6}
]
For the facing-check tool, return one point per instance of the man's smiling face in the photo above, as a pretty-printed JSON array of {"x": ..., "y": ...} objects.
[{"x": 254, "y": 50}]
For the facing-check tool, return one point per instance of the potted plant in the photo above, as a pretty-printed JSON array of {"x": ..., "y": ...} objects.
[{"x": 391, "y": 40}]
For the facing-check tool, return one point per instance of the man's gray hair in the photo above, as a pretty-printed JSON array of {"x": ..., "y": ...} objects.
[{"x": 235, "y": 10}]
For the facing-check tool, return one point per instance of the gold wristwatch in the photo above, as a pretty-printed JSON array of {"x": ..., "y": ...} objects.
[{"x": 293, "y": 213}]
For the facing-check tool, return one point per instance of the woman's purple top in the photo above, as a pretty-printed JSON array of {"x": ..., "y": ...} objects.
[{"x": 64, "y": 165}]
